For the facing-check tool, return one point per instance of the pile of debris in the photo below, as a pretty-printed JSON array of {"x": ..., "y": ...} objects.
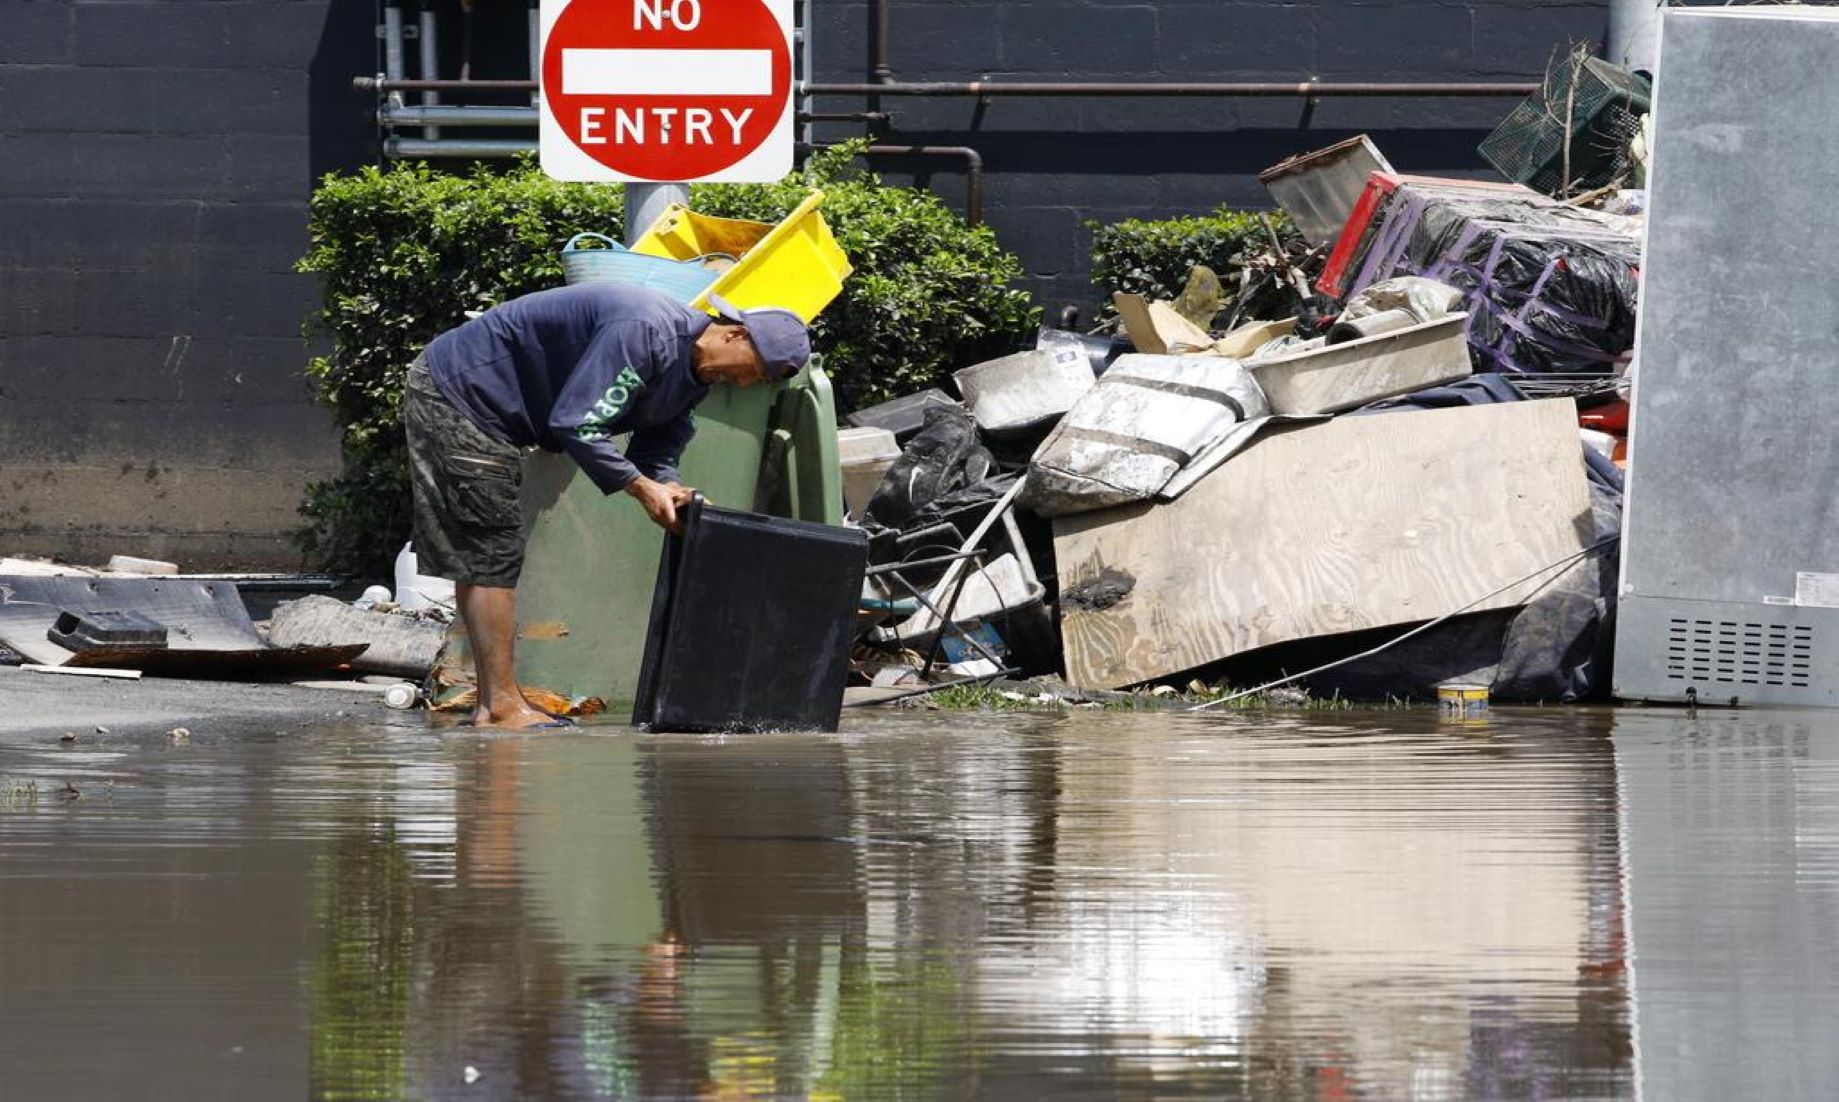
[
  {"x": 1203, "y": 494},
  {"x": 143, "y": 616}
]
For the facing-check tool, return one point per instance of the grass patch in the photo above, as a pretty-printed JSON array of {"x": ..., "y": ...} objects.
[{"x": 996, "y": 698}]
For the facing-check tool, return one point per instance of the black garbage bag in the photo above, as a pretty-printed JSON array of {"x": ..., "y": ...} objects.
[{"x": 944, "y": 456}]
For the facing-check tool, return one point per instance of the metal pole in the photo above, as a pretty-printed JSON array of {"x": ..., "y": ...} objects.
[
  {"x": 645, "y": 202},
  {"x": 1107, "y": 90},
  {"x": 392, "y": 46},
  {"x": 534, "y": 19},
  {"x": 1634, "y": 34},
  {"x": 430, "y": 63},
  {"x": 1113, "y": 89}
]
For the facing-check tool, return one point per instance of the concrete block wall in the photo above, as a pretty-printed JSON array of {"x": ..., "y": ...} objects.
[
  {"x": 156, "y": 157},
  {"x": 1055, "y": 164},
  {"x": 155, "y": 162}
]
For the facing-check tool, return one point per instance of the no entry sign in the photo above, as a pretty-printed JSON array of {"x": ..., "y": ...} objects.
[{"x": 667, "y": 90}]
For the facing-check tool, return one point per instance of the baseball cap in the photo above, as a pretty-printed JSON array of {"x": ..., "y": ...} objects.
[{"x": 778, "y": 335}]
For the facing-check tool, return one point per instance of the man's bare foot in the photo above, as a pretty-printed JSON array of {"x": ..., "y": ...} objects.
[{"x": 513, "y": 719}]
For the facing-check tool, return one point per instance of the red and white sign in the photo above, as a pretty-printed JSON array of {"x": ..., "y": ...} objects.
[{"x": 667, "y": 90}]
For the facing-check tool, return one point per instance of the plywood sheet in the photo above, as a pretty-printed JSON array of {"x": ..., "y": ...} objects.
[{"x": 1355, "y": 523}]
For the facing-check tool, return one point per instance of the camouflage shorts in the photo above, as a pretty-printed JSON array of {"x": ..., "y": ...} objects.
[{"x": 467, "y": 522}]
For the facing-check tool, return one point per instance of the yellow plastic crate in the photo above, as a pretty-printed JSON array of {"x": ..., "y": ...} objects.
[{"x": 795, "y": 265}]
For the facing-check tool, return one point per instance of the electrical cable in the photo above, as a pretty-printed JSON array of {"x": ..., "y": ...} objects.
[{"x": 1568, "y": 560}]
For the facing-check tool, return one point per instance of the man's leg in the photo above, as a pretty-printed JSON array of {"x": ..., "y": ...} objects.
[{"x": 490, "y": 616}]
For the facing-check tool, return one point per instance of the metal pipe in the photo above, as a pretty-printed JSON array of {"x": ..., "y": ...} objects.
[
  {"x": 392, "y": 46},
  {"x": 973, "y": 169},
  {"x": 427, "y": 42},
  {"x": 430, "y": 118},
  {"x": 1114, "y": 89},
  {"x": 1634, "y": 34},
  {"x": 372, "y": 84},
  {"x": 534, "y": 21},
  {"x": 1307, "y": 88},
  {"x": 420, "y": 148},
  {"x": 807, "y": 65},
  {"x": 882, "y": 68}
]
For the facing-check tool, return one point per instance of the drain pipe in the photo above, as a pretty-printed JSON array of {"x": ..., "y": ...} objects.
[
  {"x": 430, "y": 64},
  {"x": 882, "y": 67},
  {"x": 973, "y": 169},
  {"x": 1634, "y": 34}
]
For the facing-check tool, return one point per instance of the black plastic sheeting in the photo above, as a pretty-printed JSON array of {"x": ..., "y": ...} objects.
[
  {"x": 945, "y": 456},
  {"x": 751, "y": 624},
  {"x": 1549, "y": 289}
]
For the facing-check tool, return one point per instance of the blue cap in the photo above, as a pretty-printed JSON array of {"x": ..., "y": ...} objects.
[{"x": 778, "y": 335}]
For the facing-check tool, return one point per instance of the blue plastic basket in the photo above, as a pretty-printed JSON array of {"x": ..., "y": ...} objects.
[{"x": 682, "y": 280}]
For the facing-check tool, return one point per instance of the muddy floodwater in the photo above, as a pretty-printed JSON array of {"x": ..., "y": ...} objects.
[{"x": 1557, "y": 904}]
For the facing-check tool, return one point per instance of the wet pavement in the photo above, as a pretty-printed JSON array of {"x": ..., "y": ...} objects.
[{"x": 1562, "y": 903}]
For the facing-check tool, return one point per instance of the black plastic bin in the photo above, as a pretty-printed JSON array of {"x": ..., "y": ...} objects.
[{"x": 751, "y": 624}]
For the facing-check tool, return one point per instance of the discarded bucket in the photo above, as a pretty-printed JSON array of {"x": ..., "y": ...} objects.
[
  {"x": 1463, "y": 701},
  {"x": 795, "y": 264},
  {"x": 611, "y": 262}
]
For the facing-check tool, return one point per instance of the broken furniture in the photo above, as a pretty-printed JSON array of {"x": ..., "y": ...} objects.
[
  {"x": 751, "y": 624},
  {"x": 1319, "y": 190},
  {"x": 1322, "y": 529}
]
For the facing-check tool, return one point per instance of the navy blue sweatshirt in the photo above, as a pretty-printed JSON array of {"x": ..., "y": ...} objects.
[{"x": 568, "y": 370}]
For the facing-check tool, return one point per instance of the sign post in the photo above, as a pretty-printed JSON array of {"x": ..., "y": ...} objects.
[{"x": 666, "y": 91}]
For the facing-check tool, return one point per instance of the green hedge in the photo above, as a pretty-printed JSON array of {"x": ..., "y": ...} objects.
[
  {"x": 1153, "y": 258},
  {"x": 403, "y": 253}
]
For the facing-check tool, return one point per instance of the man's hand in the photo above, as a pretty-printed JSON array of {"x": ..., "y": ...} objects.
[{"x": 661, "y": 501}]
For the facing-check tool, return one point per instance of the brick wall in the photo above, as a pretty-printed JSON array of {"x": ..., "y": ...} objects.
[
  {"x": 1055, "y": 163},
  {"x": 155, "y": 161},
  {"x": 156, "y": 157}
]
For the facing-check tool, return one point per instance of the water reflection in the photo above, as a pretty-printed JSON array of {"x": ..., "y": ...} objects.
[
  {"x": 1731, "y": 824},
  {"x": 998, "y": 906}
]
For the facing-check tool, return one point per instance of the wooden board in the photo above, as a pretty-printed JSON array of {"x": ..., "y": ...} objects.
[{"x": 1355, "y": 523}]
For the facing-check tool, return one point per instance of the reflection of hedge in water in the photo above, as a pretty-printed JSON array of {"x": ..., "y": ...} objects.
[
  {"x": 362, "y": 971},
  {"x": 404, "y": 253}
]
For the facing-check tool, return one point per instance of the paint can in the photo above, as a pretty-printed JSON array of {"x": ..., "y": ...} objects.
[{"x": 1460, "y": 701}]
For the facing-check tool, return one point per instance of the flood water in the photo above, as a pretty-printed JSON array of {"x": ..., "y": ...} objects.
[{"x": 1559, "y": 904}]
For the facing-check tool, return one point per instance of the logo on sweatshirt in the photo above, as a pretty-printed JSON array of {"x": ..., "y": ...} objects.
[{"x": 611, "y": 406}]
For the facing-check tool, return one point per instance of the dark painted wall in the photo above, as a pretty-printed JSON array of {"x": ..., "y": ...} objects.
[
  {"x": 1054, "y": 164},
  {"x": 155, "y": 162},
  {"x": 156, "y": 157}
]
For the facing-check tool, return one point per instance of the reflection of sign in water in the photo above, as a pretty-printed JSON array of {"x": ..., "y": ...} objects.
[{"x": 667, "y": 89}]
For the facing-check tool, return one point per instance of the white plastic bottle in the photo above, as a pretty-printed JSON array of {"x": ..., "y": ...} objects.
[{"x": 415, "y": 591}]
